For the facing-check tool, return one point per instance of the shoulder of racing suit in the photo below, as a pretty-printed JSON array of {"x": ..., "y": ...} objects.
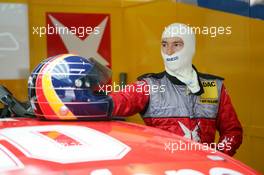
[
  {"x": 209, "y": 80},
  {"x": 201, "y": 77},
  {"x": 151, "y": 75},
  {"x": 209, "y": 76},
  {"x": 161, "y": 74}
]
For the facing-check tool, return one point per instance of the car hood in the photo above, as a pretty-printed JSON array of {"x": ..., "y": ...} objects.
[{"x": 105, "y": 147}]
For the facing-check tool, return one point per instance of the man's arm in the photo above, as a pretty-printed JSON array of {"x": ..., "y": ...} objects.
[
  {"x": 131, "y": 100},
  {"x": 228, "y": 125}
]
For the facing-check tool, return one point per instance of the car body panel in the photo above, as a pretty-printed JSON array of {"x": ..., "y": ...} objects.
[{"x": 31, "y": 146}]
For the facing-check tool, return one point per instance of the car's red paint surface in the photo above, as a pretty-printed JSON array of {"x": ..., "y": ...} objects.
[{"x": 30, "y": 146}]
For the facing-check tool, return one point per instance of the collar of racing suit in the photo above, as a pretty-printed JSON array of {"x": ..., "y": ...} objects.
[{"x": 173, "y": 79}]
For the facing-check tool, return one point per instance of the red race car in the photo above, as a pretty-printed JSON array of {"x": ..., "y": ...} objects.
[{"x": 30, "y": 146}]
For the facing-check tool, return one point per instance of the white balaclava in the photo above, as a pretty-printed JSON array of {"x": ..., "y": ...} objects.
[{"x": 179, "y": 64}]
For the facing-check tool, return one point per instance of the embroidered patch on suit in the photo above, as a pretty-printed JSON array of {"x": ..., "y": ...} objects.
[{"x": 210, "y": 95}]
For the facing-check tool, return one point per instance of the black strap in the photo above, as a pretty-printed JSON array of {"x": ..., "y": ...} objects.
[
  {"x": 11, "y": 104},
  {"x": 5, "y": 113}
]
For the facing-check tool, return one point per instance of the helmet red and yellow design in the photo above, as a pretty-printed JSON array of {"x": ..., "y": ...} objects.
[{"x": 64, "y": 87}]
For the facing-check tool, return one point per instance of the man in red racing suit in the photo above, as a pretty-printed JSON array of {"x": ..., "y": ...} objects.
[
  {"x": 180, "y": 99},
  {"x": 128, "y": 102}
]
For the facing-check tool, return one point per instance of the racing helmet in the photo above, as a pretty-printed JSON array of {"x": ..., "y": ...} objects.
[{"x": 65, "y": 87}]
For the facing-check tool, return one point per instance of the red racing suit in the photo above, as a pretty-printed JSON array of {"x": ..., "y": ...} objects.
[{"x": 175, "y": 109}]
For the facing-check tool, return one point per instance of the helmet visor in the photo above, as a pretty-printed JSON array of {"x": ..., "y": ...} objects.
[{"x": 97, "y": 76}]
